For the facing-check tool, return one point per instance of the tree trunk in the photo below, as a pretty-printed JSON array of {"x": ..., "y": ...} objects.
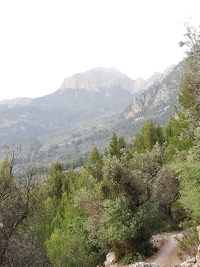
[{"x": 168, "y": 213}]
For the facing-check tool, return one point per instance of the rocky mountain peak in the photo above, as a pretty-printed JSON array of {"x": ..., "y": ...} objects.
[
  {"x": 139, "y": 85},
  {"x": 98, "y": 79},
  {"x": 159, "y": 91},
  {"x": 158, "y": 76}
]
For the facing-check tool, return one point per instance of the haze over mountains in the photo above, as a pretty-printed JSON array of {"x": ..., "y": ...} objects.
[
  {"x": 100, "y": 79},
  {"x": 96, "y": 102}
]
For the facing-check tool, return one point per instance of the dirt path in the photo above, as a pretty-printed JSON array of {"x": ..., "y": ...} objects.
[{"x": 167, "y": 254}]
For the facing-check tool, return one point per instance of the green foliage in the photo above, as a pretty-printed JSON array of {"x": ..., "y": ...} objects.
[
  {"x": 55, "y": 181},
  {"x": 121, "y": 212},
  {"x": 122, "y": 228},
  {"x": 132, "y": 258},
  {"x": 188, "y": 171},
  {"x": 117, "y": 176},
  {"x": 194, "y": 151},
  {"x": 19, "y": 205},
  {"x": 7, "y": 182},
  {"x": 190, "y": 82},
  {"x": 147, "y": 165},
  {"x": 96, "y": 163},
  {"x": 67, "y": 241},
  {"x": 188, "y": 242},
  {"x": 116, "y": 146},
  {"x": 148, "y": 137},
  {"x": 166, "y": 191},
  {"x": 70, "y": 246},
  {"x": 178, "y": 135},
  {"x": 118, "y": 222},
  {"x": 190, "y": 190}
]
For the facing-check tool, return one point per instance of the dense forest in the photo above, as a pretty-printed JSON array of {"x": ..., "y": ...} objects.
[{"x": 69, "y": 217}]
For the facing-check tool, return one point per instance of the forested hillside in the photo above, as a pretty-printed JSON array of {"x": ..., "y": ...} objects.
[{"x": 65, "y": 217}]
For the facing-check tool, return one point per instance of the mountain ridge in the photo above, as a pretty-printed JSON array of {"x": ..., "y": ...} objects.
[
  {"x": 78, "y": 119},
  {"x": 158, "y": 93},
  {"x": 100, "y": 78},
  {"x": 133, "y": 86}
]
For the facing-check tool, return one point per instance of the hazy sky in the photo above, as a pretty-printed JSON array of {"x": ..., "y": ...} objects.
[{"x": 44, "y": 41}]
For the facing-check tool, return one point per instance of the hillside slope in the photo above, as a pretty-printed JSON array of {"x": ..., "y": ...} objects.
[{"x": 86, "y": 110}]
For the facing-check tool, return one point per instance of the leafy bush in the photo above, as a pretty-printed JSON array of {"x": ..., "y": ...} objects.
[{"x": 128, "y": 259}]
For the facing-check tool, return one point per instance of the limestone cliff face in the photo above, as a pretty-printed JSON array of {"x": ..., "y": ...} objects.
[
  {"x": 161, "y": 91},
  {"x": 98, "y": 79}
]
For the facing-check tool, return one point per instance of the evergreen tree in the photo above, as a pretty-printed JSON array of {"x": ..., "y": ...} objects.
[
  {"x": 177, "y": 135},
  {"x": 148, "y": 137},
  {"x": 116, "y": 146},
  {"x": 95, "y": 164}
]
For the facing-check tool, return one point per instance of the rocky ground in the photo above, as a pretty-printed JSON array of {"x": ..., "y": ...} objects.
[{"x": 167, "y": 255}]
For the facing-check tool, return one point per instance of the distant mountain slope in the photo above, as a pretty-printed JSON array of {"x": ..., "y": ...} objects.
[
  {"x": 16, "y": 102},
  {"x": 159, "y": 98},
  {"x": 23, "y": 117},
  {"x": 86, "y": 110},
  {"x": 55, "y": 112}
]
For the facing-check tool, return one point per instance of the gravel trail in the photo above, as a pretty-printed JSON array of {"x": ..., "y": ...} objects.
[{"x": 167, "y": 254}]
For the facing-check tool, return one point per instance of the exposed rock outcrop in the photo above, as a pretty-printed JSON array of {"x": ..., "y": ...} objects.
[
  {"x": 112, "y": 262},
  {"x": 99, "y": 79},
  {"x": 188, "y": 263},
  {"x": 160, "y": 92},
  {"x": 110, "y": 259}
]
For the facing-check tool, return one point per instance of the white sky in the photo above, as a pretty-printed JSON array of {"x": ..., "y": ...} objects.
[{"x": 44, "y": 41}]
